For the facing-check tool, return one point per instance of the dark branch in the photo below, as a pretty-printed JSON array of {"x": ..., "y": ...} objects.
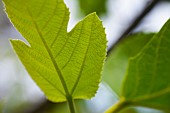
[{"x": 135, "y": 23}]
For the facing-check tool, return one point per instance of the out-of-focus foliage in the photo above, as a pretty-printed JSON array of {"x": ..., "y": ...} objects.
[
  {"x": 89, "y": 6},
  {"x": 140, "y": 110},
  {"x": 147, "y": 76},
  {"x": 116, "y": 63},
  {"x": 147, "y": 80}
]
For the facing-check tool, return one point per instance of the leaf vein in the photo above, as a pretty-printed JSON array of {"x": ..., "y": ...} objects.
[
  {"x": 53, "y": 85},
  {"x": 152, "y": 96},
  {"x": 83, "y": 64},
  {"x": 50, "y": 54},
  {"x": 45, "y": 25},
  {"x": 59, "y": 29},
  {"x": 73, "y": 49},
  {"x": 41, "y": 9}
]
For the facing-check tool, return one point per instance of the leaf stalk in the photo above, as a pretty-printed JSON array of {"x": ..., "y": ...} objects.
[
  {"x": 71, "y": 105},
  {"x": 118, "y": 106}
]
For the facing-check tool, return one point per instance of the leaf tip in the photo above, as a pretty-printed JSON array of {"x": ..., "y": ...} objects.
[{"x": 13, "y": 41}]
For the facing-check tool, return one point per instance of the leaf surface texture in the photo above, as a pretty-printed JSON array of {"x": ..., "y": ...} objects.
[{"x": 61, "y": 63}]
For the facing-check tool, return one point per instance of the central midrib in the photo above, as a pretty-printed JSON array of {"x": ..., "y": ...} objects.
[{"x": 51, "y": 55}]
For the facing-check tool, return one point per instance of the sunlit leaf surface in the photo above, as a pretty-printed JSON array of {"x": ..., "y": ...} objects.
[{"x": 62, "y": 64}]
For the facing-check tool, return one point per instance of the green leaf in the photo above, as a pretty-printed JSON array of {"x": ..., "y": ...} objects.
[
  {"x": 148, "y": 75},
  {"x": 117, "y": 61},
  {"x": 62, "y": 64},
  {"x": 89, "y": 6}
]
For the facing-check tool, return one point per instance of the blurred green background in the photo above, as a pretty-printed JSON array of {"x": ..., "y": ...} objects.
[{"x": 19, "y": 94}]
